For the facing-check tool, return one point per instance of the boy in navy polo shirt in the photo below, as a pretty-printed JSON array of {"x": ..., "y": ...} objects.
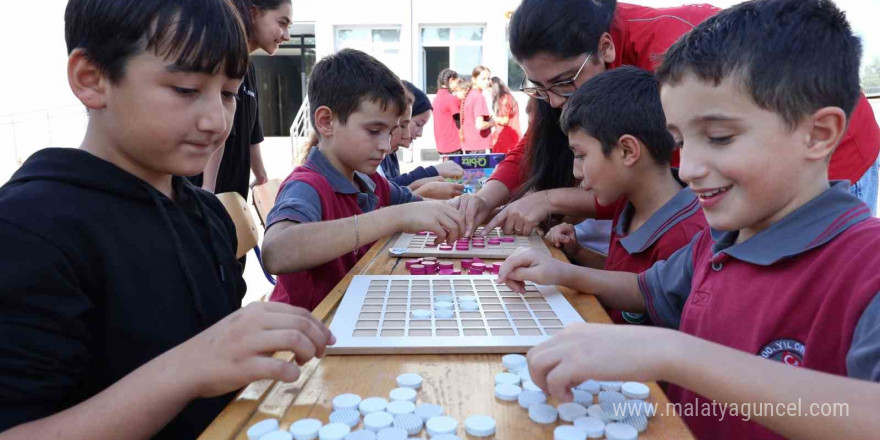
[
  {"x": 774, "y": 318},
  {"x": 327, "y": 214},
  {"x": 617, "y": 132}
]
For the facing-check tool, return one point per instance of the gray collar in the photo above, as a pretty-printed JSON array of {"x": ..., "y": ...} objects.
[
  {"x": 318, "y": 162},
  {"x": 808, "y": 227},
  {"x": 678, "y": 208}
]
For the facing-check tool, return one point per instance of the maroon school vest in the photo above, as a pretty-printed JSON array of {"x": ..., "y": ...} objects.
[
  {"x": 801, "y": 311},
  {"x": 308, "y": 288}
]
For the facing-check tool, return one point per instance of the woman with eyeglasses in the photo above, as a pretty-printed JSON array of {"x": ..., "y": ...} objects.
[{"x": 561, "y": 44}]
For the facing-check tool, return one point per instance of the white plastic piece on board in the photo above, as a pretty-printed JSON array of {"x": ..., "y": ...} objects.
[
  {"x": 568, "y": 432},
  {"x": 426, "y": 411},
  {"x": 635, "y": 390},
  {"x": 262, "y": 428},
  {"x": 570, "y": 411},
  {"x": 514, "y": 362},
  {"x": 372, "y": 404},
  {"x": 543, "y": 414},
  {"x": 305, "y": 429},
  {"x": 347, "y": 400},
  {"x": 334, "y": 431},
  {"x": 409, "y": 380},
  {"x": 403, "y": 393},
  {"x": 441, "y": 425},
  {"x": 619, "y": 431},
  {"x": 400, "y": 407},
  {"x": 378, "y": 421},
  {"x": 479, "y": 426},
  {"x": 507, "y": 392},
  {"x": 595, "y": 428}
]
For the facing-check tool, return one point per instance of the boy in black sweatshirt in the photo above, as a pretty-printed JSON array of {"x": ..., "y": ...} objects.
[{"x": 119, "y": 281}]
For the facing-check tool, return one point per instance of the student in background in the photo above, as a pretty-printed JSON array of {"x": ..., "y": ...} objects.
[
  {"x": 267, "y": 23},
  {"x": 425, "y": 182},
  {"x": 507, "y": 132},
  {"x": 476, "y": 120},
  {"x": 447, "y": 109}
]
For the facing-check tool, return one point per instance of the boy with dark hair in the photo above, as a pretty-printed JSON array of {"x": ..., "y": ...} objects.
[
  {"x": 327, "y": 214},
  {"x": 120, "y": 283},
  {"x": 617, "y": 132},
  {"x": 777, "y": 304}
]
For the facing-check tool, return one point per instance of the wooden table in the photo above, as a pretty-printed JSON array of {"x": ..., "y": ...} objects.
[{"x": 462, "y": 384}]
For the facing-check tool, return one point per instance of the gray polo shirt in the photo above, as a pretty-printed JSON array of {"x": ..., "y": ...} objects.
[{"x": 299, "y": 202}]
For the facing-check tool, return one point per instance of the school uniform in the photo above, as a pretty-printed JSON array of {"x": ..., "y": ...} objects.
[
  {"x": 475, "y": 109},
  {"x": 390, "y": 169},
  {"x": 446, "y": 107},
  {"x": 316, "y": 192},
  {"x": 101, "y": 274},
  {"x": 789, "y": 294},
  {"x": 669, "y": 229}
]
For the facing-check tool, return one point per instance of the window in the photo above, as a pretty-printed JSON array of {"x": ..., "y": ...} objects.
[
  {"x": 456, "y": 47},
  {"x": 382, "y": 43}
]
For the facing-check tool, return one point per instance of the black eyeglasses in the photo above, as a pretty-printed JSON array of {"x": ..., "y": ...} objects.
[{"x": 562, "y": 88}]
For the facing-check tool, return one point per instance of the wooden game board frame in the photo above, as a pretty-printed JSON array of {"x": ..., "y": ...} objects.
[
  {"x": 401, "y": 249},
  {"x": 346, "y": 317}
]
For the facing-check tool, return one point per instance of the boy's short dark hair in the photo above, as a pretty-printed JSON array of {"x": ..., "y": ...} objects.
[
  {"x": 617, "y": 102},
  {"x": 343, "y": 80},
  {"x": 792, "y": 56},
  {"x": 563, "y": 28},
  {"x": 203, "y": 35}
]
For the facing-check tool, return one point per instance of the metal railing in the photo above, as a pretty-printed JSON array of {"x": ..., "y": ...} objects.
[{"x": 300, "y": 130}]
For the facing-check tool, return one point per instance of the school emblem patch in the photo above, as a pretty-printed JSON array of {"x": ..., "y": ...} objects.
[{"x": 787, "y": 351}]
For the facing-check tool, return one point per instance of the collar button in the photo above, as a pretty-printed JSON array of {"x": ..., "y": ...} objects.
[{"x": 716, "y": 266}]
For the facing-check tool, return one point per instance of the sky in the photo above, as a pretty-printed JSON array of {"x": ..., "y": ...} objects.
[{"x": 34, "y": 73}]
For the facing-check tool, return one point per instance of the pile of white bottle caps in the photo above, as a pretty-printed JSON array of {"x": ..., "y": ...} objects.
[
  {"x": 395, "y": 418},
  {"x": 619, "y": 411}
]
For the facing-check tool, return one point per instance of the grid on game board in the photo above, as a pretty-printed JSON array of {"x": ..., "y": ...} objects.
[
  {"x": 387, "y": 308},
  {"x": 426, "y": 240}
]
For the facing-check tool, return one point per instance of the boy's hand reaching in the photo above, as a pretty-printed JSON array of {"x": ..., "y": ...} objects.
[
  {"x": 441, "y": 218},
  {"x": 530, "y": 265},
  {"x": 440, "y": 190},
  {"x": 238, "y": 350},
  {"x": 601, "y": 352},
  {"x": 449, "y": 170},
  {"x": 563, "y": 236}
]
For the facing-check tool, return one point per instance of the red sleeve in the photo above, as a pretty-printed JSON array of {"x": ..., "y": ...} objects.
[
  {"x": 859, "y": 147},
  {"x": 510, "y": 171}
]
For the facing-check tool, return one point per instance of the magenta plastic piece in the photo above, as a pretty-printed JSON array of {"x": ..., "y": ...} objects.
[
  {"x": 446, "y": 272},
  {"x": 417, "y": 269},
  {"x": 466, "y": 263}
]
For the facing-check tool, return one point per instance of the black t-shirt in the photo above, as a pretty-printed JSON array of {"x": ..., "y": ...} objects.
[
  {"x": 102, "y": 273},
  {"x": 235, "y": 167}
]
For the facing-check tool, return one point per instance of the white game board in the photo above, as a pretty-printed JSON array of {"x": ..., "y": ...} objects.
[{"x": 375, "y": 316}]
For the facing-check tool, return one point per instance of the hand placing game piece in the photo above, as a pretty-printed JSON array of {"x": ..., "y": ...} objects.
[
  {"x": 583, "y": 351},
  {"x": 522, "y": 216},
  {"x": 237, "y": 350},
  {"x": 474, "y": 209},
  {"x": 531, "y": 265}
]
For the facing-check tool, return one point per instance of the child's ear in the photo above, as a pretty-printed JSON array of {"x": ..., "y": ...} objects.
[
  {"x": 324, "y": 121},
  {"x": 607, "y": 52},
  {"x": 827, "y": 127},
  {"x": 630, "y": 150},
  {"x": 86, "y": 80}
]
